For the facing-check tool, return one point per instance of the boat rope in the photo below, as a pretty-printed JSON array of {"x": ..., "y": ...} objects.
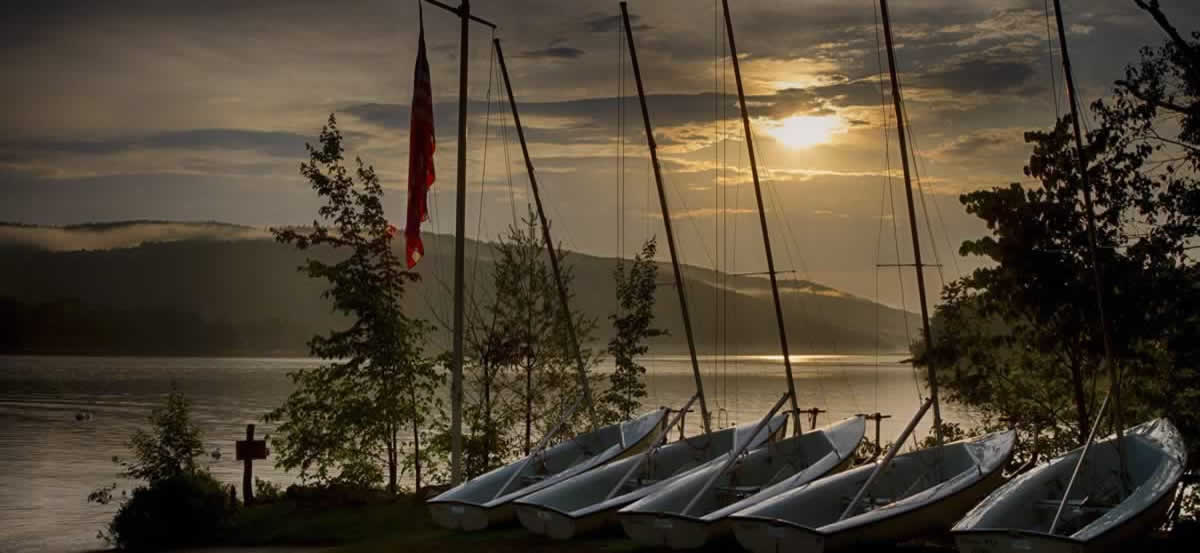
[{"x": 1050, "y": 59}]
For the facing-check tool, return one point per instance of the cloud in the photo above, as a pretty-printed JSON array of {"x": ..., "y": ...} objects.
[
  {"x": 120, "y": 235},
  {"x": 274, "y": 143},
  {"x": 989, "y": 77},
  {"x": 555, "y": 52},
  {"x": 610, "y": 23}
]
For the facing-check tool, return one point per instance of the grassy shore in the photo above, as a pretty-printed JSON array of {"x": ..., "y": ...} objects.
[{"x": 403, "y": 525}]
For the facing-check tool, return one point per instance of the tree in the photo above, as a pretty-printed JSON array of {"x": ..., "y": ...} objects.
[
  {"x": 635, "y": 299},
  {"x": 179, "y": 502},
  {"x": 170, "y": 447},
  {"x": 1020, "y": 338},
  {"x": 534, "y": 337},
  {"x": 345, "y": 419}
]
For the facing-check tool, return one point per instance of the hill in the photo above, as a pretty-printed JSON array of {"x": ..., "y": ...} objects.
[{"x": 210, "y": 288}]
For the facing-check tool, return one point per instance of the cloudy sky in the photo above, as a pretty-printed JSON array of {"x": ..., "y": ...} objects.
[{"x": 199, "y": 111}]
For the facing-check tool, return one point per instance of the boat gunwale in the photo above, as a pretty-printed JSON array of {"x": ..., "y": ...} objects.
[
  {"x": 1134, "y": 514},
  {"x": 901, "y": 510}
]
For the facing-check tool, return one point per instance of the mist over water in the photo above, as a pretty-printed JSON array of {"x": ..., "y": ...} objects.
[{"x": 49, "y": 460}]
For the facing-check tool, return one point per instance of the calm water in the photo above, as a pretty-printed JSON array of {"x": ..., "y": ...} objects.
[{"x": 49, "y": 461}]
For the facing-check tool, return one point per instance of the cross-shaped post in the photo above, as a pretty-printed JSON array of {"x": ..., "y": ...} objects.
[
  {"x": 877, "y": 417},
  {"x": 247, "y": 451},
  {"x": 812, "y": 416}
]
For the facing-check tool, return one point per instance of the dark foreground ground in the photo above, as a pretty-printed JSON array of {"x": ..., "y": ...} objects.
[{"x": 404, "y": 526}]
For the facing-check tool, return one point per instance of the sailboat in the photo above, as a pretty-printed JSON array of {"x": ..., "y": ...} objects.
[
  {"x": 692, "y": 509},
  {"x": 1033, "y": 512},
  {"x": 590, "y": 501},
  {"x": 1099, "y": 496},
  {"x": 488, "y": 499},
  {"x": 899, "y": 497}
]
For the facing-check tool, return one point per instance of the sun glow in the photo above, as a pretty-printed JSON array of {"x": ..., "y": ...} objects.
[{"x": 802, "y": 131}]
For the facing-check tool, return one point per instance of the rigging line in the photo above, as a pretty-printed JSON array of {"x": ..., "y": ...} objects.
[
  {"x": 512, "y": 196},
  {"x": 921, "y": 189},
  {"x": 487, "y": 123},
  {"x": 620, "y": 145},
  {"x": 1050, "y": 59}
]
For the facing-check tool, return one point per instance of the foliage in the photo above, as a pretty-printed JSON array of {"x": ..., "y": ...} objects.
[
  {"x": 534, "y": 337},
  {"x": 181, "y": 503},
  {"x": 184, "y": 509},
  {"x": 344, "y": 421},
  {"x": 635, "y": 300},
  {"x": 170, "y": 447},
  {"x": 266, "y": 491},
  {"x": 1020, "y": 339}
]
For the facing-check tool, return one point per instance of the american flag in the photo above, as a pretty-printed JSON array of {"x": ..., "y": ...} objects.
[{"x": 420, "y": 155}]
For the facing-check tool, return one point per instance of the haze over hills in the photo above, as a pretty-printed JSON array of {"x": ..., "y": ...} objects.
[{"x": 157, "y": 287}]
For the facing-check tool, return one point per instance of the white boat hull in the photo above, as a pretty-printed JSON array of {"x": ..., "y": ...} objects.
[
  {"x": 806, "y": 519},
  {"x": 657, "y": 520},
  {"x": 1017, "y": 517},
  {"x": 487, "y": 500}
]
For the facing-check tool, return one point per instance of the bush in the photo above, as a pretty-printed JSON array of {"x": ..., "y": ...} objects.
[{"x": 187, "y": 509}]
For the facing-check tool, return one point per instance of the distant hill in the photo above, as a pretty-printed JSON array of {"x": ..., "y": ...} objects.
[{"x": 232, "y": 290}]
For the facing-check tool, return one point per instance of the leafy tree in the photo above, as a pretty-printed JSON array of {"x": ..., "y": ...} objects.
[
  {"x": 1020, "y": 338},
  {"x": 534, "y": 339},
  {"x": 170, "y": 447},
  {"x": 635, "y": 298},
  {"x": 345, "y": 420},
  {"x": 180, "y": 503}
]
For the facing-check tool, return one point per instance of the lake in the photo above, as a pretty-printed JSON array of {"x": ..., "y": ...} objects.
[{"x": 49, "y": 460}]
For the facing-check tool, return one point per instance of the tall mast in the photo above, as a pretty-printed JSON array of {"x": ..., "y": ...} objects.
[
  {"x": 460, "y": 209},
  {"x": 537, "y": 199},
  {"x": 666, "y": 215},
  {"x": 762, "y": 220},
  {"x": 912, "y": 221},
  {"x": 1097, "y": 271}
]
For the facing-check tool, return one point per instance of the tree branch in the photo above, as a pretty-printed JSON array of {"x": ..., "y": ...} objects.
[
  {"x": 1139, "y": 94},
  {"x": 1151, "y": 7}
]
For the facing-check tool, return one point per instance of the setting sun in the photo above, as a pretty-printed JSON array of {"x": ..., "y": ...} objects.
[{"x": 802, "y": 131}]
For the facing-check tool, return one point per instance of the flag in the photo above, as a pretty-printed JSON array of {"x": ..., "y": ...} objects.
[{"x": 421, "y": 145}]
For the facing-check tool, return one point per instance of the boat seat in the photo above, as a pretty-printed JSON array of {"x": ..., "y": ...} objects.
[
  {"x": 1083, "y": 505},
  {"x": 740, "y": 492}
]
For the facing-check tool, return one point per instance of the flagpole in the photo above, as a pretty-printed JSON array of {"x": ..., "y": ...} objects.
[{"x": 460, "y": 210}]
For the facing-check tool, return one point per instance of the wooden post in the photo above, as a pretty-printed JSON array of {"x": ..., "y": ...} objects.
[
  {"x": 247, "y": 451},
  {"x": 460, "y": 209},
  {"x": 877, "y": 417},
  {"x": 812, "y": 416}
]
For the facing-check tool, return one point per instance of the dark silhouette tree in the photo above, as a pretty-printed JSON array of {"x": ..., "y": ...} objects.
[
  {"x": 346, "y": 418},
  {"x": 632, "y": 326}
]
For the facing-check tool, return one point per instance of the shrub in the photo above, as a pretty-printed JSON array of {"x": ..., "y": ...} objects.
[{"x": 183, "y": 510}]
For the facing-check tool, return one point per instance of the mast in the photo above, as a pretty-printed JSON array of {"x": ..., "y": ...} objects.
[
  {"x": 1097, "y": 271},
  {"x": 912, "y": 221},
  {"x": 762, "y": 220},
  {"x": 572, "y": 338},
  {"x": 666, "y": 215},
  {"x": 463, "y": 11}
]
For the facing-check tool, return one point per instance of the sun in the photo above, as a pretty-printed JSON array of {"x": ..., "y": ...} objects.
[{"x": 803, "y": 131}]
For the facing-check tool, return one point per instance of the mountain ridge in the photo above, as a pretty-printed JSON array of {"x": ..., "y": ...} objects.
[{"x": 239, "y": 277}]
